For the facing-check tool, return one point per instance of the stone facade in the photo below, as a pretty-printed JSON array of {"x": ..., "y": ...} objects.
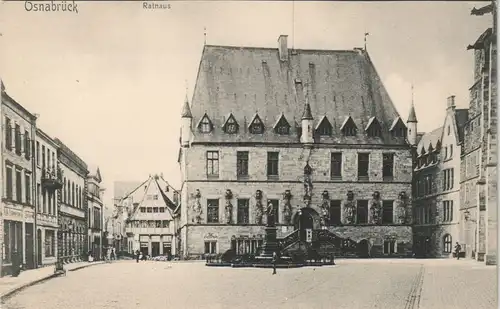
[
  {"x": 95, "y": 213},
  {"x": 324, "y": 170},
  {"x": 479, "y": 156}
]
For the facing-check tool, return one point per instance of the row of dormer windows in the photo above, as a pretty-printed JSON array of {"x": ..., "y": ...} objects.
[{"x": 282, "y": 127}]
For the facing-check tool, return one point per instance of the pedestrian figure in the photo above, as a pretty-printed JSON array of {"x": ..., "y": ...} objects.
[
  {"x": 458, "y": 248},
  {"x": 137, "y": 256},
  {"x": 275, "y": 260},
  {"x": 113, "y": 254},
  {"x": 16, "y": 263}
]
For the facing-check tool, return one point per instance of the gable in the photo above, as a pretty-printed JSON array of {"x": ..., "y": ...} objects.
[
  {"x": 205, "y": 125},
  {"x": 256, "y": 126},
  {"x": 231, "y": 126},
  {"x": 324, "y": 127},
  {"x": 282, "y": 126}
]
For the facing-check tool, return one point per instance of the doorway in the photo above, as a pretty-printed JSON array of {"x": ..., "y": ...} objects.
[
  {"x": 39, "y": 246},
  {"x": 363, "y": 249},
  {"x": 155, "y": 249},
  {"x": 30, "y": 250}
]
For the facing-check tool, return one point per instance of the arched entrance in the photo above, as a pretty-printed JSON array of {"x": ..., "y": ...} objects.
[
  {"x": 39, "y": 245},
  {"x": 305, "y": 218},
  {"x": 364, "y": 248}
]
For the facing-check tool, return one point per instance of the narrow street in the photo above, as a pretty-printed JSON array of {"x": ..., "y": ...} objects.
[{"x": 353, "y": 284}]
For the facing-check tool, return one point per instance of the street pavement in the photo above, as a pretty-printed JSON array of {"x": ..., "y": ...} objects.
[{"x": 353, "y": 284}]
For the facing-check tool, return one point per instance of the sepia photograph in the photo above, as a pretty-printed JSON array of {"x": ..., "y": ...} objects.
[{"x": 248, "y": 154}]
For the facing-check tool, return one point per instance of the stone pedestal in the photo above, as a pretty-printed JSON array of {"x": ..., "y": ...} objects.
[{"x": 270, "y": 244}]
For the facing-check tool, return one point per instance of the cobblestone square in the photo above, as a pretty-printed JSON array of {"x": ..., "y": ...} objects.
[{"x": 353, "y": 284}]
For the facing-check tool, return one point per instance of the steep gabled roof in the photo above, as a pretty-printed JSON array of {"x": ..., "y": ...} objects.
[
  {"x": 256, "y": 119},
  {"x": 373, "y": 121},
  {"x": 231, "y": 119},
  {"x": 246, "y": 79},
  {"x": 348, "y": 121},
  {"x": 429, "y": 139},
  {"x": 281, "y": 122},
  {"x": 323, "y": 121},
  {"x": 397, "y": 122}
]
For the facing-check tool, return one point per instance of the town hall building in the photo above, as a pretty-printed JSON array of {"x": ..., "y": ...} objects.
[{"x": 314, "y": 133}]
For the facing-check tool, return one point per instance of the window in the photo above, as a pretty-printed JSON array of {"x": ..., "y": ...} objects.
[
  {"x": 349, "y": 128},
  {"x": 389, "y": 246},
  {"x": 282, "y": 127},
  {"x": 8, "y": 134},
  {"x": 213, "y": 163},
  {"x": 242, "y": 164},
  {"x": 243, "y": 212},
  {"x": 155, "y": 197},
  {"x": 210, "y": 247},
  {"x": 325, "y": 128},
  {"x": 257, "y": 127},
  {"x": 374, "y": 130},
  {"x": 149, "y": 209},
  {"x": 165, "y": 224},
  {"x": 335, "y": 212},
  {"x": 158, "y": 223},
  {"x": 272, "y": 164},
  {"x": 213, "y": 211},
  {"x": 19, "y": 186},
  {"x": 388, "y": 166},
  {"x": 231, "y": 126},
  {"x": 49, "y": 243},
  {"x": 447, "y": 211},
  {"x": 445, "y": 152},
  {"x": 27, "y": 145},
  {"x": 363, "y": 164},
  {"x": 447, "y": 243},
  {"x": 276, "y": 207},
  {"x": 27, "y": 180},
  {"x": 18, "y": 139},
  {"x": 448, "y": 179},
  {"x": 155, "y": 209},
  {"x": 387, "y": 212},
  {"x": 10, "y": 182},
  {"x": 44, "y": 202},
  {"x": 362, "y": 212},
  {"x": 38, "y": 192},
  {"x": 38, "y": 153},
  {"x": 336, "y": 166},
  {"x": 205, "y": 125},
  {"x": 162, "y": 209}
]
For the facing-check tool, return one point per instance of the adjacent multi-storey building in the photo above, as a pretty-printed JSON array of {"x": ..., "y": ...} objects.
[
  {"x": 48, "y": 185},
  {"x": 17, "y": 213},
  {"x": 95, "y": 212},
  {"x": 478, "y": 187},
  {"x": 73, "y": 205},
  {"x": 310, "y": 134},
  {"x": 150, "y": 226},
  {"x": 436, "y": 191}
]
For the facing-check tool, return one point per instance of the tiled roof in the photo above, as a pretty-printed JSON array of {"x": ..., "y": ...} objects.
[
  {"x": 429, "y": 139},
  {"x": 461, "y": 117},
  {"x": 246, "y": 80}
]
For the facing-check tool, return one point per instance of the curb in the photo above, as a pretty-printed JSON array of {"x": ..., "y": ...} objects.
[{"x": 18, "y": 289}]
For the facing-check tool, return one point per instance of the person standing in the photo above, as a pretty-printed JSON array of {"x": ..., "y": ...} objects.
[
  {"x": 275, "y": 260},
  {"x": 458, "y": 248},
  {"x": 16, "y": 263},
  {"x": 137, "y": 255}
]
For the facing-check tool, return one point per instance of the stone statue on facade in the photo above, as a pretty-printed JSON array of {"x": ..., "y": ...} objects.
[
  {"x": 325, "y": 208},
  {"x": 197, "y": 209},
  {"x": 287, "y": 207},
  {"x": 259, "y": 211},
  {"x": 270, "y": 215},
  {"x": 308, "y": 186},
  {"x": 401, "y": 209},
  {"x": 229, "y": 207},
  {"x": 376, "y": 208},
  {"x": 349, "y": 206}
]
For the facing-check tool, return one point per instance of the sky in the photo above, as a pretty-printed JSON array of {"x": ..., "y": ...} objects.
[{"x": 110, "y": 81}]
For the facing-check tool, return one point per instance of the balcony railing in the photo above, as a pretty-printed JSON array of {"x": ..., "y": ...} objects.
[{"x": 52, "y": 180}]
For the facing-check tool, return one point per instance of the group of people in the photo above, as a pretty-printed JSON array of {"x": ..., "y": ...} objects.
[{"x": 140, "y": 256}]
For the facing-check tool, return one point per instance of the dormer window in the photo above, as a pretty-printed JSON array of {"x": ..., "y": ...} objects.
[
  {"x": 324, "y": 127},
  {"x": 205, "y": 125},
  {"x": 398, "y": 128},
  {"x": 256, "y": 126},
  {"x": 349, "y": 128},
  {"x": 282, "y": 127},
  {"x": 231, "y": 126},
  {"x": 373, "y": 128}
]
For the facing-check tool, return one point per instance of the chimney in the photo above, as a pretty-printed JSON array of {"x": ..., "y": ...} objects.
[
  {"x": 283, "y": 47},
  {"x": 451, "y": 102}
]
